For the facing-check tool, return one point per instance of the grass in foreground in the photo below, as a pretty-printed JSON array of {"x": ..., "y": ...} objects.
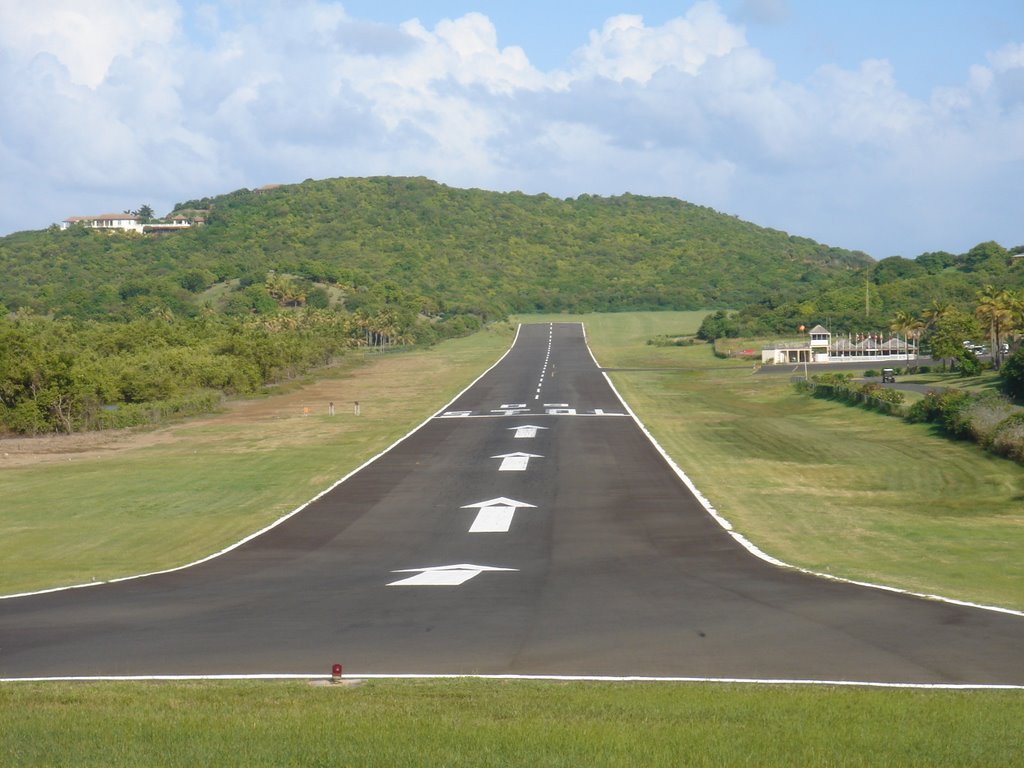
[{"x": 493, "y": 723}]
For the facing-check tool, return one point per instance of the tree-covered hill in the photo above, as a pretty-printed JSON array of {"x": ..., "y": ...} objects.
[
  {"x": 421, "y": 245},
  {"x": 867, "y": 300}
]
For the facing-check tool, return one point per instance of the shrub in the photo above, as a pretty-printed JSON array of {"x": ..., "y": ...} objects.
[
  {"x": 888, "y": 400},
  {"x": 1008, "y": 438},
  {"x": 870, "y": 373},
  {"x": 968, "y": 363},
  {"x": 715, "y": 326},
  {"x": 938, "y": 405},
  {"x": 1011, "y": 375},
  {"x": 982, "y": 417}
]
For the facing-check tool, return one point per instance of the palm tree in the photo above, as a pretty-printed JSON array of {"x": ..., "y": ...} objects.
[
  {"x": 1017, "y": 313},
  {"x": 938, "y": 310},
  {"x": 906, "y": 324},
  {"x": 995, "y": 309}
]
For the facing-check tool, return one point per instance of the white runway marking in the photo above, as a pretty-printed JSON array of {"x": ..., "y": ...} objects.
[
  {"x": 495, "y": 516},
  {"x": 558, "y": 678},
  {"x": 526, "y": 431},
  {"x": 493, "y": 520},
  {"x": 515, "y": 462},
  {"x": 443, "y": 575}
]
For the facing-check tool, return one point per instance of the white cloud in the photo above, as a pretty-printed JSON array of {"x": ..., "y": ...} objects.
[
  {"x": 626, "y": 48},
  {"x": 267, "y": 92},
  {"x": 84, "y": 37}
]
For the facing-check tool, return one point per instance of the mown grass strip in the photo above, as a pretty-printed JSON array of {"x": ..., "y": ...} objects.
[{"x": 467, "y": 722}]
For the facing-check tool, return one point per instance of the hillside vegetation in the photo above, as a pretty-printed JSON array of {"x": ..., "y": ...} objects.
[
  {"x": 106, "y": 328},
  {"x": 102, "y": 328},
  {"x": 423, "y": 245}
]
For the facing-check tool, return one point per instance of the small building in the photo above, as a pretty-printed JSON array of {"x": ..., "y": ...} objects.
[
  {"x": 821, "y": 347},
  {"x": 173, "y": 224},
  {"x": 126, "y": 222},
  {"x": 129, "y": 222}
]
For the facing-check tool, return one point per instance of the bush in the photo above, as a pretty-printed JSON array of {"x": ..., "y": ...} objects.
[
  {"x": 134, "y": 414},
  {"x": 968, "y": 363},
  {"x": 1008, "y": 438},
  {"x": 717, "y": 325},
  {"x": 937, "y": 406},
  {"x": 982, "y": 417},
  {"x": 870, "y": 373},
  {"x": 1011, "y": 375}
]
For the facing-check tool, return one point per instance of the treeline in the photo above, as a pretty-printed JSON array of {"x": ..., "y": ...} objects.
[
  {"x": 65, "y": 375},
  {"x": 446, "y": 251},
  {"x": 908, "y": 296}
]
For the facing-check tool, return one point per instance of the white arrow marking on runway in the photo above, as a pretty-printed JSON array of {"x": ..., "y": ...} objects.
[
  {"x": 443, "y": 575},
  {"x": 527, "y": 430},
  {"x": 495, "y": 516},
  {"x": 515, "y": 462}
]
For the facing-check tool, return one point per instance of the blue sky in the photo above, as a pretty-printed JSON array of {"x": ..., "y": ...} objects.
[{"x": 893, "y": 127}]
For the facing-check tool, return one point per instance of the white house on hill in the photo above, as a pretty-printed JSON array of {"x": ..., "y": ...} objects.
[
  {"x": 129, "y": 222},
  {"x": 126, "y": 222}
]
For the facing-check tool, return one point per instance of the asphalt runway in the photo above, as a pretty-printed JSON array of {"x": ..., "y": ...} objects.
[{"x": 529, "y": 528}]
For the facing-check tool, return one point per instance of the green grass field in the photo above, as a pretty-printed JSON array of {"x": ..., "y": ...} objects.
[
  {"x": 814, "y": 483},
  {"x": 497, "y": 723}
]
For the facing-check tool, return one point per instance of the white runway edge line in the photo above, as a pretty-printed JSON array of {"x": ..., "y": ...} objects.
[
  {"x": 351, "y": 676},
  {"x": 750, "y": 546},
  {"x": 288, "y": 516}
]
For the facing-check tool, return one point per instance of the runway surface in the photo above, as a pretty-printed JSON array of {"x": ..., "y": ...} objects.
[{"x": 528, "y": 528}]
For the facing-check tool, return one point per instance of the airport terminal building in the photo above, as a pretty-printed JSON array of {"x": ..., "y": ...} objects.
[{"x": 822, "y": 347}]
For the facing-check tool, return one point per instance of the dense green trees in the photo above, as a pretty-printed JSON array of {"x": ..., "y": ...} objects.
[
  {"x": 66, "y": 375},
  {"x": 451, "y": 251},
  {"x": 868, "y": 300}
]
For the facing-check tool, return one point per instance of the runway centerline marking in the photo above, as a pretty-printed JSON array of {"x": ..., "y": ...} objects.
[
  {"x": 515, "y": 462},
  {"x": 526, "y": 431},
  {"x": 443, "y": 575},
  {"x": 495, "y": 516}
]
